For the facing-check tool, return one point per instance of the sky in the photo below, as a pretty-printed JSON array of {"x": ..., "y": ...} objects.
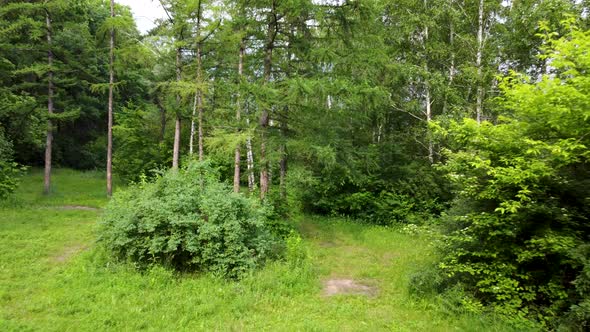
[{"x": 145, "y": 12}]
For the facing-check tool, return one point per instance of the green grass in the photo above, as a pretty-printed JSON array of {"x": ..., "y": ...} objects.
[{"x": 54, "y": 278}]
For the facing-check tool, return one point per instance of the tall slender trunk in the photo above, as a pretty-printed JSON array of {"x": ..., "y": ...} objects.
[
  {"x": 191, "y": 146},
  {"x": 176, "y": 150},
  {"x": 452, "y": 65},
  {"x": 200, "y": 99},
  {"x": 264, "y": 118},
  {"x": 49, "y": 139},
  {"x": 238, "y": 116},
  {"x": 162, "y": 120},
  {"x": 428, "y": 120},
  {"x": 198, "y": 102},
  {"x": 427, "y": 97},
  {"x": 452, "y": 44},
  {"x": 479, "y": 102},
  {"x": 110, "y": 111},
  {"x": 250, "y": 161},
  {"x": 283, "y": 161}
]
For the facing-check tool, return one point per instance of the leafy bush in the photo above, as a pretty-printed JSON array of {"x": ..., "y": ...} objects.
[
  {"x": 10, "y": 171},
  {"x": 517, "y": 234},
  {"x": 296, "y": 254},
  {"x": 190, "y": 221},
  {"x": 405, "y": 199}
]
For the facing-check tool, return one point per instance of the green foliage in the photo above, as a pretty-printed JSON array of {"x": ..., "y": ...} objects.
[
  {"x": 189, "y": 221},
  {"x": 10, "y": 172},
  {"x": 518, "y": 229},
  {"x": 58, "y": 276},
  {"x": 375, "y": 199},
  {"x": 140, "y": 147},
  {"x": 296, "y": 253},
  {"x": 9, "y": 177}
]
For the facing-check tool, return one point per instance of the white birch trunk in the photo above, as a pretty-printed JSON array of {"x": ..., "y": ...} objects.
[
  {"x": 478, "y": 63},
  {"x": 427, "y": 97},
  {"x": 191, "y": 145},
  {"x": 110, "y": 111},
  {"x": 237, "y": 156},
  {"x": 176, "y": 149},
  {"x": 250, "y": 161}
]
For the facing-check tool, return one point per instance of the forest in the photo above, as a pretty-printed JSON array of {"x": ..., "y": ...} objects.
[{"x": 268, "y": 149}]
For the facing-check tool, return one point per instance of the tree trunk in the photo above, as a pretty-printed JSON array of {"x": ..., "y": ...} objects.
[
  {"x": 49, "y": 139},
  {"x": 110, "y": 111},
  {"x": 176, "y": 150},
  {"x": 162, "y": 120},
  {"x": 200, "y": 100},
  {"x": 479, "y": 102},
  {"x": 264, "y": 118},
  {"x": 427, "y": 97},
  {"x": 250, "y": 161},
  {"x": 452, "y": 66},
  {"x": 428, "y": 120},
  {"x": 191, "y": 146},
  {"x": 452, "y": 44},
  {"x": 238, "y": 116},
  {"x": 283, "y": 161}
]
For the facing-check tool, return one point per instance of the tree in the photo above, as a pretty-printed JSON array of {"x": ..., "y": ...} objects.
[
  {"x": 49, "y": 141},
  {"x": 110, "y": 111},
  {"x": 521, "y": 194}
]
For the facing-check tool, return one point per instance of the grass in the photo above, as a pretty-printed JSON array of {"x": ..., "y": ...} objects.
[{"x": 54, "y": 278}]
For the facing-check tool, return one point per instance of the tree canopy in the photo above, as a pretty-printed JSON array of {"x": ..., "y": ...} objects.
[{"x": 467, "y": 116}]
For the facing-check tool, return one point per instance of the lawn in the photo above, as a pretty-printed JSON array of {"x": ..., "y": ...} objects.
[{"x": 54, "y": 277}]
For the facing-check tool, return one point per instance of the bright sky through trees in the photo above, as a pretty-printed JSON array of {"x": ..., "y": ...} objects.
[{"x": 145, "y": 12}]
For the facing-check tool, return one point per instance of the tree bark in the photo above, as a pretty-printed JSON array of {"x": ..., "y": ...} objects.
[
  {"x": 427, "y": 97},
  {"x": 428, "y": 120},
  {"x": 452, "y": 66},
  {"x": 49, "y": 138},
  {"x": 191, "y": 147},
  {"x": 452, "y": 44},
  {"x": 200, "y": 100},
  {"x": 264, "y": 118},
  {"x": 238, "y": 116},
  {"x": 162, "y": 120},
  {"x": 283, "y": 162},
  {"x": 478, "y": 62},
  {"x": 110, "y": 111},
  {"x": 176, "y": 149},
  {"x": 250, "y": 161}
]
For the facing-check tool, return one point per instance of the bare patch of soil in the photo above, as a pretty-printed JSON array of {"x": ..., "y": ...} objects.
[
  {"x": 78, "y": 207},
  {"x": 68, "y": 253},
  {"x": 347, "y": 286}
]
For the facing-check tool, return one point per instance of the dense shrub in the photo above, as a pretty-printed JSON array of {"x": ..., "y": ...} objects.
[
  {"x": 412, "y": 199},
  {"x": 517, "y": 235},
  {"x": 10, "y": 171},
  {"x": 190, "y": 221}
]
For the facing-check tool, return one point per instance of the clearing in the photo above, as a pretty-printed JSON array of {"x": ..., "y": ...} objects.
[{"x": 54, "y": 278}]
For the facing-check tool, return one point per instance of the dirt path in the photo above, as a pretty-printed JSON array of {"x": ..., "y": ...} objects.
[
  {"x": 346, "y": 259},
  {"x": 78, "y": 207}
]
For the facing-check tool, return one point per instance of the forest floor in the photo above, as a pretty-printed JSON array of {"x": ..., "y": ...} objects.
[{"x": 54, "y": 278}]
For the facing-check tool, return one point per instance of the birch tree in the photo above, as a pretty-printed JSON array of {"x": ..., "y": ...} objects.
[{"x": 110, "y": 106}]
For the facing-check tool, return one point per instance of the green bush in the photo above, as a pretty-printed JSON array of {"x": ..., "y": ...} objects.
[
  {"x": 190, "y": 221},
  {"x": 10, "y": 172},
  {"x": 517, "y": 235},
  {"x": 405, "y": 199}
]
